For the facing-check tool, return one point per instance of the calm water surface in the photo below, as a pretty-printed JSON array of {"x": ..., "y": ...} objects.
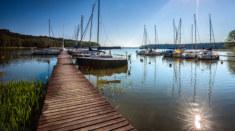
[
  {"x": 166, "y": 94},
  {"x": 155, "y": 93},
  {"x": 18, "y": 65}
]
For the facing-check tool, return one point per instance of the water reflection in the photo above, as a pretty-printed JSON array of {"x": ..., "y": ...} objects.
[
  {"x": 103, "y": 72},
  {"x": 168, "y": 94},
  {"x": 172, "y": 94},
  {"x": 231, "y": 62},
  {"x": 195, "y": 113},
  {"x": 108, "y": 81},
  {"x": 20, "y": 65}
]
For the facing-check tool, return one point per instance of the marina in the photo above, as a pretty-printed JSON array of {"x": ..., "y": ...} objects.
[
  {"x": 149, "y": 83},
  {"x": 102, "y": 65}
]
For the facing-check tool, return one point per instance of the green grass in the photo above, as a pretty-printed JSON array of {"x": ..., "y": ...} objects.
[{"x": 19, "y": 101}]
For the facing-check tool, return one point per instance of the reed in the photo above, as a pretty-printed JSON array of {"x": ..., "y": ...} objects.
[{"x": 19, "y": 100}]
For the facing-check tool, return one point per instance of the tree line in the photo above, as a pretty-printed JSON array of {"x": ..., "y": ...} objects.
[{"x": 11, "y": 39}]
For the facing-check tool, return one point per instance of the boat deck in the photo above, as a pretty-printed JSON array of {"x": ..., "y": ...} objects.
[{"x": 73, "y": 103}]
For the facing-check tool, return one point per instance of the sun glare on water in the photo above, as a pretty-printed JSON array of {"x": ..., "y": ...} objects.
[{"x": 197, "y": 121}]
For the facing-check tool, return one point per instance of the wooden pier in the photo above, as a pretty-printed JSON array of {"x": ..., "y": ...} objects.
[{"x": 73, "y": 103}]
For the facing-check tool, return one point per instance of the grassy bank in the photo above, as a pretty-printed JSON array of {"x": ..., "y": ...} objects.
[{"x": 20, "y": 104}]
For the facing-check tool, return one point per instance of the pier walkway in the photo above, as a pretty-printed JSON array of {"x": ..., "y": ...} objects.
[{"x": 73, "y": 103}]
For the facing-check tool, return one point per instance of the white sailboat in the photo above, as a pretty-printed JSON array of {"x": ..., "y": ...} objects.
[
  {"x": 192, "y": 54},
  {"x": 148, "y": 52},
  {"x": 177, "y": 53},
  {"x": 209, "y": 54}
]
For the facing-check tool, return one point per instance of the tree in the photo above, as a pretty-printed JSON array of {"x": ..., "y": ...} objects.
[
  {"x": 231, "y": 36},
  {"x": 230, "y": 41}
]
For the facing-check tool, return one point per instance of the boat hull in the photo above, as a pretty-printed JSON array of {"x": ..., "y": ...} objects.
[
  {"x": 208, "y": 57},
  {"x": 100, "y": 63},
  {"x": 150, "y": 53}
]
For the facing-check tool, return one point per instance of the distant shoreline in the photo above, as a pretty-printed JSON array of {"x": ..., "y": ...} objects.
[{"x": 12, "y": 39}]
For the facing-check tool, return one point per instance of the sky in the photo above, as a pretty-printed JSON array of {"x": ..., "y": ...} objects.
[{"x": 121, "y": 21}]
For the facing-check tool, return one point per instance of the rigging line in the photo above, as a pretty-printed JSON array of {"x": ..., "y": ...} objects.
[
  {"x": 77, "y": 30},
  {"x": 179, "y": 30},
  {"x": 91, "y": 23},
  {"x": 212, "y": 30},
  {"x": 192, "y": 33},
  {"x": 106, "y": 35},
  {"x": 198, "y": 34},
  {"x": 52, "y": 31},
  {"x": 81, "y": 24},
  {"x": 199, "y": 38},
  {"x": 157, "y": 36},
  {"x": 86, "y": 28},
  {"x": 173, "y": 31},
  {"x": 77, "y": 33},
  {"x": 143, "y": 38},
  {"x": 104, "y": 32}
]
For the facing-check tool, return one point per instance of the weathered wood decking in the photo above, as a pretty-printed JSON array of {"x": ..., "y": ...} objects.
[{"x": 72, "y": 103}]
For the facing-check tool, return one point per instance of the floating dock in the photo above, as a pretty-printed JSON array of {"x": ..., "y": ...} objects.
[{"x": 73, "y": 103}]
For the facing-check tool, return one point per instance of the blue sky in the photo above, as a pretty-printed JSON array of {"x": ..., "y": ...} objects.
[{"x": 122, "y": 21}]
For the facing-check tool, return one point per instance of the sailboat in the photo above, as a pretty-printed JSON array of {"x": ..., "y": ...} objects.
[
  {"x": 145, "y": 38},
  {"x": 148, "y": 52},
  {"x": 178, "y": 51},
  {"x": 100, "y": 59},
  {"x": 47, "y": 51},
  {"x": 192, "y": 54},
  {"x": 209, "y": 54}
]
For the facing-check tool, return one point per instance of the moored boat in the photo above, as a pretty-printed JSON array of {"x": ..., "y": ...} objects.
[
  {"x": 149, "y": 52},
  {"x": 208, "y": 55},
  {"x": 178, "y": 53},
  {"x": 101, "y": 62},
  {"x": 168, "y": 53},
  {"x": 189, "y": 54}
]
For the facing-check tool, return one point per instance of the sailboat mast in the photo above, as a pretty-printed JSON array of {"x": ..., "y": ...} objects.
[
  {"x": 195, "y": 28},
  {"x": 63, "y": 38},
  {"x": 78, "y": 30},
  {"x": 192, "y": 33},
  {"x": 145, "y": 35},
  {"x": 49, "y": 30},
  {"x": 93, "y": 7},
  {"x": 98, "y": 23},
  {"x": 180, "y": 25},
  {"x": 210, "y": 27},
  {"x": 155, "y": 32},
  {"x": 174, "y": 32},
  {"x": 212, "y": 37},
  {"x": 82, "y": 17}
]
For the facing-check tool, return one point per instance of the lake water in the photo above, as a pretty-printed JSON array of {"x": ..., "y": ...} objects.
[
  {"x": 17, "y": 65},
  {"x": 170, "y": 94},
  {"x": 155, "y": 93}
]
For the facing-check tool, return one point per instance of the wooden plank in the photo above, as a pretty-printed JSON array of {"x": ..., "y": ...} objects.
[
  {"x": 104, "y": 124},
  {"x": 73, "y": 103},
  {"x": 114, "y": 126},
  {"x": 80, "y": 113}
]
